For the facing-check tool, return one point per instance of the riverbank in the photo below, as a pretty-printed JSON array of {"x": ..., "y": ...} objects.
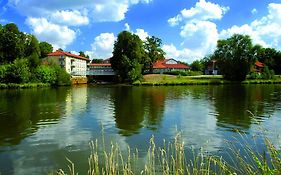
[
  {"x": 170, "y": 80},
  {"x": 23, "y": 86}
]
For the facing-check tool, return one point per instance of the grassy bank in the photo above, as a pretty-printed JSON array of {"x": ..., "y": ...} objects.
[
  {"x": 159, "y": 80},
  {"x": 23, "y": 86},
  {"x": 172, "y": 159}
]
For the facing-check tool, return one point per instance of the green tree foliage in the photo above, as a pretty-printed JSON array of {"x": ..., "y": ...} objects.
[
  {"x": 269, "y": 56},
  {"x": 18, "y": 72},
  {"x": 197, "y": 65},
  {"x": 32, "y": 51},
  {"x": 97, "y": 60},
  {"x": 12, "y": 43},
  {"x": 82, "y": 54},
  {"x": 154, "y": 52},
  {"x": 62, "y": 77},
  {"x": 235, "y": 57},
  {"x": 45, "y": 74},
  {"x": 45, "y": 49},
  {"x": 128, "y": 56}
]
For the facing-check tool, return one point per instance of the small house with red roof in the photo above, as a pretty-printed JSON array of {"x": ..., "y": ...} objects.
[
  {"x": 259, "y": 66},
  {"x": 168, "y": 65},
  {"x": 75, "y": 65}
]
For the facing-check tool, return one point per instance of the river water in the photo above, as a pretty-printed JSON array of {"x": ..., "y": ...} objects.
[{"x": 39, "y": 128}]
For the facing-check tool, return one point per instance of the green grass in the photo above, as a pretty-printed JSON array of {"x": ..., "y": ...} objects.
[
  {"x": 23, "y": 86},
  {"x": 170, "y": 80}
]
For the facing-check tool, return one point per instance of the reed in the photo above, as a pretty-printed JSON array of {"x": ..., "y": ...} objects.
[{"x": 171, "y": 158}]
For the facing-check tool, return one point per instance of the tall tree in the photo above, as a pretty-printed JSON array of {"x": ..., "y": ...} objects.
[
  {"x": 45, "y": 49},
  {"x": 12, "y": 43},
  {"x": 128, "y": 56},
  {"x": 235, "y": 57},
  {"x": 197, "y": 65},
  {"x": 32, "y": 51},
  {"x": 154, "y": 52}
]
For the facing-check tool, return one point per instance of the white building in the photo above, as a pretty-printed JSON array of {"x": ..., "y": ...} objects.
[{"x": 73, "y": 64}]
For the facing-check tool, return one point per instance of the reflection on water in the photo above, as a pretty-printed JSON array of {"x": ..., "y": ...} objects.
[{"x": 40, "y": 127}]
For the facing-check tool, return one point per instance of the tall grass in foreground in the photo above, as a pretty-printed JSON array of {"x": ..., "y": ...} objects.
[{"x": 172, "y": 159}]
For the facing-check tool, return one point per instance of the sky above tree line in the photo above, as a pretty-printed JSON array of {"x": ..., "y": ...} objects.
[{"x": 189, "y": 29}]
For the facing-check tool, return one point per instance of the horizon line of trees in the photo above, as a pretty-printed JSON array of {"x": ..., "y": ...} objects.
[{"x": 236, "y": 57}]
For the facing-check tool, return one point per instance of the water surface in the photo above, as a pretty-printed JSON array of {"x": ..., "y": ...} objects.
[{"x": 39, "y": 128}]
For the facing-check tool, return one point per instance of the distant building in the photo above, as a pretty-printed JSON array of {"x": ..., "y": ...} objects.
[
  {"x": 103, "y": 68},
  {"x": 259, "y": 67},
  {"x": 212, "y": 68},
  {"x": 73, "y": 64},
  {"x": 168, "y": 65}
]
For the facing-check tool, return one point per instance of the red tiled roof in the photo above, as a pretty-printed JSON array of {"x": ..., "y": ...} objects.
[
  {"x": 163, "y": 64},
  {"x": 100, "y": 64},
  {"x": 60, "y": 53},
  {"x": 259, "y": 64}
]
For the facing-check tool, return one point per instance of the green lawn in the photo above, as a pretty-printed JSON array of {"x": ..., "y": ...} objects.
[{"x": 160, "y": 79}]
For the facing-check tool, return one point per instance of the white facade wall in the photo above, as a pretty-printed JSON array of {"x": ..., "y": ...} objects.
[{"x": 73, "y": 66}]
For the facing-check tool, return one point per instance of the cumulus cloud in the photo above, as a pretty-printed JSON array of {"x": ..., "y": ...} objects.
[
  {"x": 127, "y": 27},
  {"x": 69, "y": 18},
  {"x": 202, "y": 11},
  {"x": 186, "y": 55},
  {"x": 198, "y": 30},
  {"x": 58, "y": 36},
  {"x": 265, "y": 31},
  {"x": 102, "y": 46},
  {"x": 254, "y": 11},
  {"x": 97, "y": 10},
  {"x": 140, "y": 32}
]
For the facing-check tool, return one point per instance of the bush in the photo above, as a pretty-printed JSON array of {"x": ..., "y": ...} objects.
[
  {"x": 254, "y": 75},
  {"x": 267, "y": 74},
  {"x": 182, "y": 73},
  {"x": 45, "y": 74},
  {"x": 62, "y": 77},
  {"x": 3, "y": 73},
  {"x": 18, "y": 72}
]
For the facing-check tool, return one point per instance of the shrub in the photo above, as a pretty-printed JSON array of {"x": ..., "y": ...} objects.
[
  {"x": 267, "y": 74},
  {"x": 3, "y": 72},
  {"x": 182, "y": 73},
  {"x": 45, "y": 74},
  {"x": 62, "y": 77},
  {"x": 18, "y": 72}
]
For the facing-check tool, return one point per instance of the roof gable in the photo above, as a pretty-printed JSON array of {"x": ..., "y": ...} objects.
[
  {"x": 62, "y": 53},
  {"x": 169, "y": 63}
]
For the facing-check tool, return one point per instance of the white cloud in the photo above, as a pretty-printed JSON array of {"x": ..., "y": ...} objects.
[
  {"x": 142, "y": 34},
  {"x": 69, "y": 18},
  {"x": 199, "y": 33},
  {"x": 254, "y": 11},
  {"x": 127, "y": 27},
  {"x": 98, "y": 10},
  {"x": 186, "y": 55},
  {"x": 265, "y": 31},
  {"x": 202, "y": 11},
  {"x": 102, "y": 46},
  {"x": 58, "y": 36}
]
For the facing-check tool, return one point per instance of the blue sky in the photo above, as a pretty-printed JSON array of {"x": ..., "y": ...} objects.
[{"x": 189, "y": 29}]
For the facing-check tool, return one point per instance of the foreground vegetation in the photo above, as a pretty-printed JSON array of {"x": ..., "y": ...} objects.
[{"x": 172, "y": 159}]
